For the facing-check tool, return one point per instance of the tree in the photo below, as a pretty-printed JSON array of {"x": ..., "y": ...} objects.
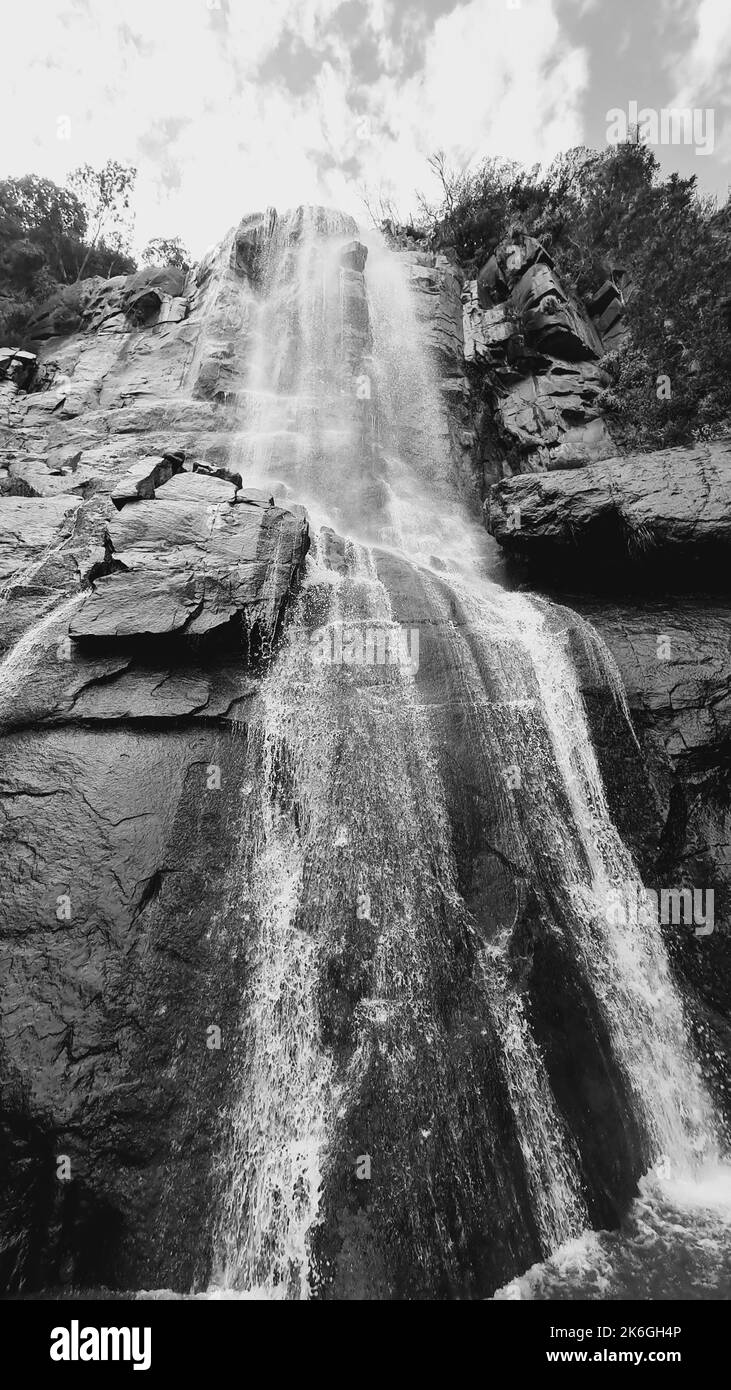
[
  {"x": 105, "y": 194},
  {"x": 167, "y": 251},
  {"x": 41, "y": 226},
  {"x": 477, "y": 207}
]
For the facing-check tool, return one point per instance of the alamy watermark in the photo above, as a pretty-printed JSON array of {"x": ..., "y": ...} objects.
[
  {"x": 79, "y": 1343},
  {"x": 366, "y": 644},
  {"x": 674, "y": 125},
  {"x": 669, "y": 906}
]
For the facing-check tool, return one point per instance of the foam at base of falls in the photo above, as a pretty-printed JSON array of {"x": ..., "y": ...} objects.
[{"x": 674, "y": 1243}]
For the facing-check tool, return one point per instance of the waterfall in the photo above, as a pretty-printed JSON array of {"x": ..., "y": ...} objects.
[
  {"x": 279, "y": 1122},
  {"x": 369, "y": 974}
]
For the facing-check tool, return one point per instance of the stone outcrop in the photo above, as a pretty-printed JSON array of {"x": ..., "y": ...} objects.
[
  {"x": 154, "y": 294},
  {"x": 553, "y": 418},
  {"x": 549, "y": 320},
  {"x": 17, "y": 365},
  {"x": 141, "y": 480},
  {"x": 192, "y": 559},
  {"x": 676, "y": 502},
  {"x": 142, "y": 589},
  {"x": 540, "y": 353},
  {"x": 606, "y": 310}
]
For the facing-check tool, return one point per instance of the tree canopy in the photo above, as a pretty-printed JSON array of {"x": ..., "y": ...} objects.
[
  {"x": 167, "y": 251},
  {"x": 105, "y": 195}
]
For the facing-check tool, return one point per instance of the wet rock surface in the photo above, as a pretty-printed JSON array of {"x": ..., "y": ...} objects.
[
  {"x": 190, "y": 562},
  {"x": 144, "y": 585},
  {"x": 639, "y": 545},
  {"x": 139, "y": 599},
  {"x": 109, "y": 983},
  {"x": 673, "y": 804}
]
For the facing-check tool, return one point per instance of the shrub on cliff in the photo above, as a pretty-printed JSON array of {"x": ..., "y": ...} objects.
[{"x": 609, "y": 214}]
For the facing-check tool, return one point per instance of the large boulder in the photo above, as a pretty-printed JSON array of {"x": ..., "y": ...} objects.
[
  {"x": 507, "y": 265},
  {"x": 538, "y": 349},
  {"x": 550, "y": 319},
  {"x": 118, "y": 302},
  {"x": 191, "y": 560},
  {"x": 141, "y": 480},
  {"x": 554, "y": 420},
  {"x": 148, "y": 289},
  {"x": 641, "y": 507}
]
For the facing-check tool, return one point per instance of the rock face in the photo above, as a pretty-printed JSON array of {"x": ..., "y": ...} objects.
[
  {"x": 192, "y": 561},
  {"x": 142, "y": 589},
  {"x": 107, "y": 966},
  {"x": 28, "y": 528},
  {"x": 673, "y": 654},
  {"x": 539, "y": 350},
  {"x": 639, "y": 545},
  {"x": 436, "y": 282},
  {"x": 673, "y": 503},
  {"x": 154, "y": 294}
]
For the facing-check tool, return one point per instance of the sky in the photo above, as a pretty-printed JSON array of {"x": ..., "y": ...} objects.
[{"x": 229, "y": 106}]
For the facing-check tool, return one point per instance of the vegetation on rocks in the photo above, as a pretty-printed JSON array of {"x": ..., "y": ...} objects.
[
  {"x": 52, "y": 236},
  {"x": 609, "y": 215},
  {"x": 167, "y": 251}
]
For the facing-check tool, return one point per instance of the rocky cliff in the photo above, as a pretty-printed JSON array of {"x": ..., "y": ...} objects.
[
  {"x": 145, "y": 587},
  {"x": 638, "y": 544},
  {"x": 142, "y": 587}
]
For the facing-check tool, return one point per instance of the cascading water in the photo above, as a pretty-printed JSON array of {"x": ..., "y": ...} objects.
[{"x": 382, "y": 1013}]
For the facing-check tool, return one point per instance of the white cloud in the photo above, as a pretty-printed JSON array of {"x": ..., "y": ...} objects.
[
  {"x": 705, "y": 65},
  {"x": 492, "y": 80},
  {"x": 701, "y": 73}
]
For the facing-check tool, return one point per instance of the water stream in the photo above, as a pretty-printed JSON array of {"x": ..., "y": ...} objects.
[{"x": 369, "y": 972}]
